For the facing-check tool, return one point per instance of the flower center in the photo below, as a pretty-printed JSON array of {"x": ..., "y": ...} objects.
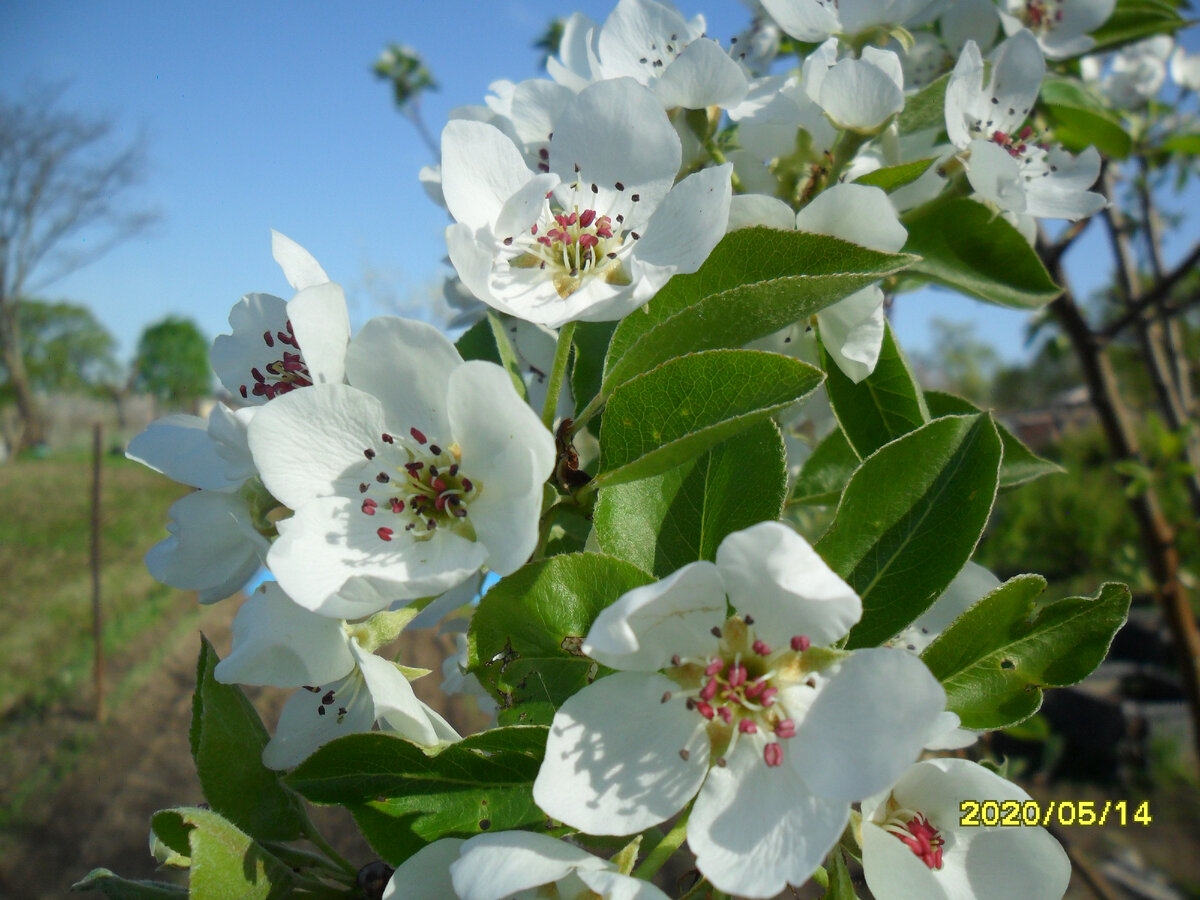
[
  {"x": 737, "y": 690},
  {"x": 918, "y": 834},
  {"x": 424, "y": 490},
  {"x": 280, "y": 375},
  {"x": 1041, "y": 16},
  {"x": 574, "y": 243}
]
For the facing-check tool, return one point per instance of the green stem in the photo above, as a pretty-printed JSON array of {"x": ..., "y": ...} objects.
[
  {"x": 695, "y": 889},
  {"x": 664, "y": 850},
  {"x": 325, "y": 847},
  {"x": 561, "y": 353},
  {"x": 590, "y": 410}
]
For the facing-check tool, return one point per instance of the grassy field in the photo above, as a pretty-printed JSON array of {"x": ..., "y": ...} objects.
[{"x": 45, "y": 581}]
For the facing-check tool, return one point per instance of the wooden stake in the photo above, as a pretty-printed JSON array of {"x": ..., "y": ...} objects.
[{"x": 97, "y": 621}]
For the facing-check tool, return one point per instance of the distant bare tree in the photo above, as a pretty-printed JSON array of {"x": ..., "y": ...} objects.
[{"x": 61, "y": 176}]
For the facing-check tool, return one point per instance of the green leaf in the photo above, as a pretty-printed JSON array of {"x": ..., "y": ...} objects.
[
  {"x": 675, "y": 412},
  {"x": 996, "y": 658},
  {"x": 891, "y": 178},
  {"x": 841, "y": 886},
  {"x": 111, "y": 885},
  {"x": 227, "y": 740},
  {"x": 524, "y": 639},
  {"x": 981, "y": 254},
  {"x": 477, "y": 342},
  {"x": 1133, "y": 20},
  {"x": 506, "y": 352},
  {"x": 825, "y": 473},
  {"x": 756, "y": 281},
  {"x": 1080, "y": 120},
  {"x": 225, "y": 862},
  {"x": 926, "y": 108},
  {"x": 1020, "y": 464},
  {"x": 1185, "y": 144},
  {"x": 910, "y": 518},
  {"x": 404, "y": 797},
  {"x": 883, "y": 406},
  {"x": 666, "y": 521},
  {"x": 587, "y": 365}
]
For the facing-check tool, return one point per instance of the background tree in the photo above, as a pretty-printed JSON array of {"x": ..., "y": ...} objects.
[
  {"x": 172, "y": 362},
  {"x": 63, "y": 176},
  {"x": 64, "y": 347}
]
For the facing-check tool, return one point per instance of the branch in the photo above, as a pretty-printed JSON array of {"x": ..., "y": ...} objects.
[{"x": 1156, "y": 294}]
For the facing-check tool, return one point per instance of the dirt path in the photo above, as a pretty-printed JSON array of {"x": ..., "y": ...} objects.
[{"x": 139, "y": 762}]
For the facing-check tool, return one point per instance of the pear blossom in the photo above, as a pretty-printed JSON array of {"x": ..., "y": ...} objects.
[
  {"x": 851, "y": 329},
  {"x": 599, "y": 233},
  {"x": 405, "y": 481},
  {"x": 1185, "y": 69},
  {"x": 768, "y": 119},
  {"x": 774, "y": 734},
  {"x": 914, "y": 846},
  {"x": 1060, "y": 26},
  {"x": 214, "y": 545},
  {"x": 650, "y": 42},
  {"x": 514, "y": 864},
  {"x": 1006, "y": 165},
  {"x": 815, "y": 20},
  {"x": 858, "y": 94},
  {"x": 277, "y": 346},
  {"x": 344, "y": 688},
  {"x": 1137, "y": 72}
]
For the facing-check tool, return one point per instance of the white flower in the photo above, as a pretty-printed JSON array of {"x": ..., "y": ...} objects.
[
  {"x": 1006, "y": 165},
  {"x": 404, "y": 483},
  {"x": 277, "y": 346},
  {"x": 214, "y": 546},
  {"x": 1185, "y": 69},
  {"x": 514, "y": 864},
  {"x": 774, "y": 110},
  {"x": 858, "y": 94},
  {"x": 815, "y": 20},
  {"x": 793, "y": 732},
  {"x": 1060, "y": 26},
  {"x": 596, "y": 236},
  {"x": 851, "y": 329},
  {"x": 914, "y": 847},
  {"x": 345, "y": 689},
  {"x": 650, "y": 42},
  {"x": 1137, "y": 72}
]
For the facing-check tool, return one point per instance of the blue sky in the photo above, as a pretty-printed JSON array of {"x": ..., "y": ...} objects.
[{"x": 266, "y": 115}]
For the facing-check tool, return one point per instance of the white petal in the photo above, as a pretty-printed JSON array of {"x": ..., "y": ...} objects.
[
  {"x": 631, "y": 30},
  {"x": 213, "y": 548},
  {"x": 852, "y": 332},
  {"x": 683, "y": 231},
  {"x": 963, "y": 95},
  {"x": 894, "y": 872},
  {"x": 299, "y": 267},
  {"x": 616, "y": 131},
  {"x": 648, "y": 625},
  {"x": 426, "y": 874},
  {"x": 302, "y": 729},
  {"x": 969, "y": 20},
  {"x": 816, "y": 66},
  {"x": 310, "y": 443},
  {"x": 969, "y": 586},
  {"x": 522, "y": 209},
  {"x": 481, "y": 169},
  {"x": 867, "y": 724},
  {"x": 775, "y": 575},
  {"x": 613, "y": 763},
  {"x": 1017, "y": 70},
  {"x": 407, "y": 365},
  {"x": 494, "y": 866},
  {"x": 996, "y": 176},
  {"x": 278, "y": 643},
  {"x": 322, "y": 328},
  {"x": 859, "y": 95},
  {"x": 1063, "y": 193},
  {"x": 702, "y": 75},
  {"x": 181, "y": 448},
  {"x": 805, "y": 20},
  {"x": 615, "y": 886},
  {"x": 229, "y": 429},
  {"x": 887, "y": 61},
  {"x": 859, "y": 213},
  {"x": 235, "y": 355},
  {"x": 748, "y": 210},
  {"x": 472, "y": 259},
  {"x": 392, "y": 694},
  {"x": 755, "y": 828}
]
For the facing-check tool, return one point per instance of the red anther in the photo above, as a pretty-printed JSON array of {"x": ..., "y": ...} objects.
[
  {"x": 1025, "y": 132},
  {"x": 588, "y": 241},
  {"x": 258, "y": 376},
  {"x": 714, "y": 667},
  {"x": 368, "y": 506},
  {"x": 467, "y": 486},
  {"x": 999, "y": 137},
  {"x": 786, "y": 729},
  {"x": 737, "y": 676},
  {"x": 726, "y": 714},
  {"x": 385, "y": 534},
  {"x": 761, "y": 648},
  {"x": 440, "y": 503},
  {"x": 242, "y": 389},
  {"x": 768, "y": 696},
  {"x": 587, "y": 217},
  {"x": 676, "y": 660},
  {"x": 268, "y": 339},
  {"x": 704, "y": 709},
  {"x": 417, "y": 435},
  {"x": 438, "y": 485},
  {"x": 387, "y": 438},
  {"x": 458, "y": 511},
  {"x": 746, "y": 726},
  {"x": 545, "y": 241},
  {"x": 773, "y": 754},
  {"x": 755, "y": 689},
  {"x": 709, "y": 690},
  {"x": 800, "y": 643},
  {"x": 604, "y": 227},
  {"x": 414, "y": 467},
  {"x": 396, "y": 504}
]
